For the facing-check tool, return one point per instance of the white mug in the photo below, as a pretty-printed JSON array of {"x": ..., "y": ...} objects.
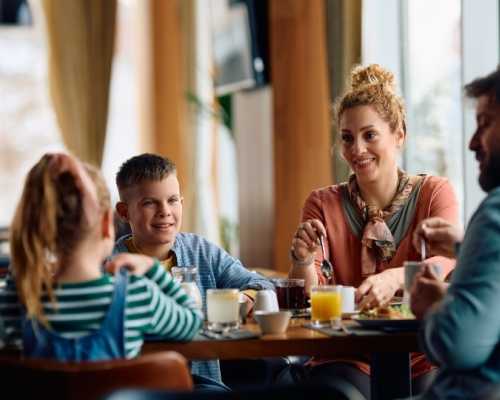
[
  {"x": 266, "y": 300},
  {"x": 412, "y": 267},
  {"x": 348, "y": 299}
]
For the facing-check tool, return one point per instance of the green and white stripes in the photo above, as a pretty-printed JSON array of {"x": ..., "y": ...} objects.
[{"x": 156, "y": 305}]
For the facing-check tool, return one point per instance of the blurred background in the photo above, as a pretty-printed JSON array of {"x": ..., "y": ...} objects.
[{"x": 238, "y": 94}]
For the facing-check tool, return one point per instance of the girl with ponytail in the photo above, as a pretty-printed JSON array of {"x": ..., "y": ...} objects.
[{"x": 58, "y": 302}]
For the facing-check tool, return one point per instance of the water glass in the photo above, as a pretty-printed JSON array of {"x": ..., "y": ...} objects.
[
  {"x": 223, "y": 309},
  {"x": 326, "y": 305}
]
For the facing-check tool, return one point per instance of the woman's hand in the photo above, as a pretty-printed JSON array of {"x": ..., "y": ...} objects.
[
  {"x": 426, "y": 292},
  {"x": 378, "y": 290},
  {"x": 306, "y": 240},
  {"x": 137, "y": 264},
  {"x": 440, "y": 236}
]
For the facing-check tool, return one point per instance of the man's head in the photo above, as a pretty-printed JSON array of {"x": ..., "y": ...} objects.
[
  {"x": 486, "y": 139},
  {"x": 150, "y": 201}
]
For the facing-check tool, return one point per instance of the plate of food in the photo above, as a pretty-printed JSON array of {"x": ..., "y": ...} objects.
[{"x": 389, "y": 318}]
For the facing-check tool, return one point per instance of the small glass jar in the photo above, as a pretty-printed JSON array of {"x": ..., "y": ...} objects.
[{"x": 186, "y": 276}]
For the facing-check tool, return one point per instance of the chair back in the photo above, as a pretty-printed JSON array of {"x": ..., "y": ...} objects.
[{"x": 30, "y": 378}]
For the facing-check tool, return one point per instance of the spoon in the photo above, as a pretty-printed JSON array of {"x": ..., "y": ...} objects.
[
  {"x": 326, "y": 266},
  {"x": 422, "y": 249}
]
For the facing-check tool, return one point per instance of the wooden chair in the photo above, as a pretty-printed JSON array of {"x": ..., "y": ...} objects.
[{"x": 30, "y": 378}]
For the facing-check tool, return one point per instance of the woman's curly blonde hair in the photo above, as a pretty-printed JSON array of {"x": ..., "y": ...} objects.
[{"x": 373, "y": 86}]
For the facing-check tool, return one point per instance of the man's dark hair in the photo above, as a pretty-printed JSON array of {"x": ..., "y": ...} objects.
[
  {"x": 144, "y": 167},
  {"x": 488, "y": 85}
]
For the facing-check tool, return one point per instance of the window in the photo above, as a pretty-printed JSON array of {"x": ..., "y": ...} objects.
[
  {"x": 434, "y": 48},
  {"x": 28, "y": 126}
]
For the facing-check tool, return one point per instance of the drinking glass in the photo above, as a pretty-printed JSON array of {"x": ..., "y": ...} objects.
[
  {"x": 326, "y": 305},
  {"x": 186, "y": 276},
  {"x": 291, "y": 294},
  {"x": 223, "y": 309}
]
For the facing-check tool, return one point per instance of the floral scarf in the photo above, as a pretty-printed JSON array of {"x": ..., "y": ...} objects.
[{"x": 378, "y": 244}]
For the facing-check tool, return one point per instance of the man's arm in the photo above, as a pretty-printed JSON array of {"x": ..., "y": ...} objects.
[
  {"x": 443, "y": 207},
  {"x": 462, "y": 331}
]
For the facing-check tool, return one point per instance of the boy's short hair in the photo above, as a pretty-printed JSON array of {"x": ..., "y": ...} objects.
[{"x": 141, "y": 168}]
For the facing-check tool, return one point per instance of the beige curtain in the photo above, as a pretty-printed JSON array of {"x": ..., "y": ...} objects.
[
  {"x": 80, "y": 35},
  {"x": 344, "y": 51}
]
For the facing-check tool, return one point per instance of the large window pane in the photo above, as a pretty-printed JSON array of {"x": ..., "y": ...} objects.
[
  {"x": 421, "y": 42},
  {"x": 28, "y": 127},
  {"x": 432, "y": 86}
]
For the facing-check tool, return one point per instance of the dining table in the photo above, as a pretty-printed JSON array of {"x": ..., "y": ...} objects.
[{"x": 388, "y": 351}]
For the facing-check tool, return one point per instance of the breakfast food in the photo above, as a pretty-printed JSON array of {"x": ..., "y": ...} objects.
[{"x": 399, "y": 311}]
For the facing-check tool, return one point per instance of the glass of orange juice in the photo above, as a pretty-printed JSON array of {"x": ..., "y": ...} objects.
[{"x": 326, "y": 305}]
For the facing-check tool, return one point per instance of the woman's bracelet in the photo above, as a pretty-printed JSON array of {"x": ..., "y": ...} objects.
[{"x": 300, "y": 263}]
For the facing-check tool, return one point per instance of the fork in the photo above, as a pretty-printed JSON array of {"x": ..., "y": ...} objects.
[
  {"x": 344, "y": 329},
  {"x": 326, "y": 265}
]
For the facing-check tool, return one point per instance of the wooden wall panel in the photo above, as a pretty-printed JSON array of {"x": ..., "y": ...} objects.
[{"x": 300, "y": 112}]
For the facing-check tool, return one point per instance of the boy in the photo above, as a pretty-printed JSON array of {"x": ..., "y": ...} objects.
[{"x": 150, "y": 201}]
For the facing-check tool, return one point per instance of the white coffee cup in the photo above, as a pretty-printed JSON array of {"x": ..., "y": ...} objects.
[
  {"x": 266, "y": 300},
  {"x": 348, "y": 305},
  {"x": 412, "y": 267}
]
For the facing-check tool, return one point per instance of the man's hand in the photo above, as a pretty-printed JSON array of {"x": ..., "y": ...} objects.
[
  {"x": 426, "y": 292},
  {"x": 440, "y": 236},
  {"x": 137, "y": 264},
  {"x": 378, "y": 290}
]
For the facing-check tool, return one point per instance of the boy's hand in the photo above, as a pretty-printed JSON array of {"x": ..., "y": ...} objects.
[{"x": 137, "y": 264}]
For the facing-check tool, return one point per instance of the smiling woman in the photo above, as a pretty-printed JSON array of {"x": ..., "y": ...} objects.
[
  {"x": 367, "y": 222},
  {"x": 369, "y": 145}
]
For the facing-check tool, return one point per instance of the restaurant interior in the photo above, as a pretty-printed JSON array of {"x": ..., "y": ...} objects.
[{"x": 238, "y": 94}]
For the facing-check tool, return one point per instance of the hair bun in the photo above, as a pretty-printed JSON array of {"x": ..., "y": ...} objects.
[{"x": 370, "y": 75}]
